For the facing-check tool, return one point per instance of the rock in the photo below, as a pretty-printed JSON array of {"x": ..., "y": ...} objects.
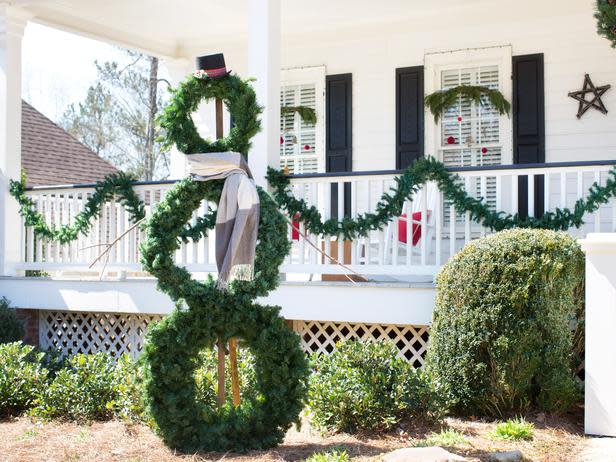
[
  {"x": 430, "y": 454},
  {"x": 509, "y": 456}
]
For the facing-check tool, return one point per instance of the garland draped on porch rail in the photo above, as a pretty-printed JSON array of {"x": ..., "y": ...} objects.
[
  {"x": 115, "y": 184},
  {"x": 409, "y": 183},
  {"x": 389, "y": 206}
]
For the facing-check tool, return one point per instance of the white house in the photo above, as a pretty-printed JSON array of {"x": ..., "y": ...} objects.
[{"x": 365, "y": 67}]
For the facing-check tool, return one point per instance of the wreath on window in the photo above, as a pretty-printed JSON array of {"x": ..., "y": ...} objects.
[
  {"x": 440, "y": 101},
  {"x": 204, "y": 313}
]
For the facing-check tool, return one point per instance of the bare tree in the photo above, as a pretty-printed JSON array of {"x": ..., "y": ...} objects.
[{"x": 118, "y": 117}]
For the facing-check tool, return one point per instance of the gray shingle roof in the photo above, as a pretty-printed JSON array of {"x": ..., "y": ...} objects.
[{"x": 50, "y": 155}]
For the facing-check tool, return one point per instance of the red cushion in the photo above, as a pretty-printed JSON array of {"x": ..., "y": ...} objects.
[
  {"x": 415, "y": 229},
  {"x": 295, "y": 229}
]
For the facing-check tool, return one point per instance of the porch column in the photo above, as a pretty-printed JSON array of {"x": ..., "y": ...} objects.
[
  {"x": 600, "y": 364},
  {"x": 12, "y": 24},
  {"x": 264, "y": 65},
  {"x": 178, "y": 70}
]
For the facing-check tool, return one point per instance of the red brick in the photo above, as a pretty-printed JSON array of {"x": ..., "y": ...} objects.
[{"x": 31, "y": 325}]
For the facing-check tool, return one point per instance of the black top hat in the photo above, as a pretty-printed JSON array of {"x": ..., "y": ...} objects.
[{"x": 212, "y": 66}]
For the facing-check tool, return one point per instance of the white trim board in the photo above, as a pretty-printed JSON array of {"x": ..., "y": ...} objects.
[{"x": 383, "y": 303}]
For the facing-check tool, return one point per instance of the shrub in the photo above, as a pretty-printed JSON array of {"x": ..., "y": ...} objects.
[
  {"x": 128, "y": 401},
  {"x": 11, "y": 328},
  {"x": 21, "y": 377},
  {"x": 513, "y": 430},
  {"x": 501, "y": 337},
  {"x": 366, "y": 386},
  {"x": 91, "y": 387}
]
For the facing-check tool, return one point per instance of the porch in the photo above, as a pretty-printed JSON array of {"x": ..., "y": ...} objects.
[
  {"x": 365, "y": 70},
  {"x": 411, "y": 248}
]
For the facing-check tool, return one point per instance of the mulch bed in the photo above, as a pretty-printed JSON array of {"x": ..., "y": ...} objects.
[{"x": 557, "y": 439}]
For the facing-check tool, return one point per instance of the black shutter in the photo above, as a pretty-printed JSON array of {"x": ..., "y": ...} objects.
[
  {"x": 338, "y": 134},
  {"x": 529, "y": 125},
  {"x": 409, "y": 115}
]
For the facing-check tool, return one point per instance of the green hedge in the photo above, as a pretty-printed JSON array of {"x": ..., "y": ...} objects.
[
  {"x": 21, "y": 377},
  {"x": 83, "y": 387},
  {"x": 366, "y": 386},
  {"x": 92, "y": 387},
  {"x": 11, "y": 328},
  {"x": 501, "y": 338}
]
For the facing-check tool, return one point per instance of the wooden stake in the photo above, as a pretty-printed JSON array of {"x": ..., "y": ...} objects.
[
  {"x": 221, "y": 373},
  {"x": 219, "y": 123},
  {"x": 235, "y": 379}
]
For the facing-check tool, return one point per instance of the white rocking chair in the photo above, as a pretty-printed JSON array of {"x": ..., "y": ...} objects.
[{"x": 398, "y": 229}]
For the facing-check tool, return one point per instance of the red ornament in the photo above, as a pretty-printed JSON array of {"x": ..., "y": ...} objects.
[
  {"x": 451, "y": 140},
  {"x": 484, "y": 150},
  {"x": 281, "y": 140},
  {"x": 306, "y": 147},
  {"x": 459, "y": 119}
]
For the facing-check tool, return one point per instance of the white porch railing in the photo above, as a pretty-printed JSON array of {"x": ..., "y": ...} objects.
[
  {"x": 59, "y": 205},
  {"x": 437, "y": 231},
  {"x": 434, "y": 233}
]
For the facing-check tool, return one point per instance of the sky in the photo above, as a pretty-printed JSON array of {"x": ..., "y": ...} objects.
[{"x": 58, "y": 67}]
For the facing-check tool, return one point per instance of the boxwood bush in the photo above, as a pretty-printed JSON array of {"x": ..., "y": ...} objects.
[
  {"x": 92, "y": 387},
  {"x": 21, "y": 377},
  {"x": 11, "y": 328},
  {"x": 501, "y": 337},
  {"x": 366, "y": 386}
]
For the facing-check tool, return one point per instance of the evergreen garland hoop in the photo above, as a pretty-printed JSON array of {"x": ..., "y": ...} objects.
[
  {"x": 439, "y": 101},
  {"x": 240, "y": 99},
  {"x": 205, "y": 314},
  {"x": 173, "y": 344}
]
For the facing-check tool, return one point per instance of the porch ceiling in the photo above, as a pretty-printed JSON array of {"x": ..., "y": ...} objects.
[{"x": 177, "y": 28}]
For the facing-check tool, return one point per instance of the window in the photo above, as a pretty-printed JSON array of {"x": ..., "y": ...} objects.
[
  {"x": 302, "y": 143},
  {"x": 297, "y": 138},
  {"x": 470, "y": 134}
]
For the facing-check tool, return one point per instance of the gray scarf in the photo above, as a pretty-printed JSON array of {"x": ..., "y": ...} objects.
[{"x": 237, "y": 219}]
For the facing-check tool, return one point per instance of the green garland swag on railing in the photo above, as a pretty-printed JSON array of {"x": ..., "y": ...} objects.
[
  {"x": 115, "y": 184},
  {"x": 439, "y": 101},
  {"x": 411, "y": 181}
]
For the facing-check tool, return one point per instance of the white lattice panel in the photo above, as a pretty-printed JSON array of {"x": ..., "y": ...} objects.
[
  {"x": 85, "y": 332},
  {"x": 321, "y": 336}
]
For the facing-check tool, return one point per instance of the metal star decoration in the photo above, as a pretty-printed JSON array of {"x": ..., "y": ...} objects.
[{"x": 595, "y": 102}]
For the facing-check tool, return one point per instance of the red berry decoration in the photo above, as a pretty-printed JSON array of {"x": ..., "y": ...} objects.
[
  {"x": 459, "y": 119},
  {"x": 484, "y": 150},
  {"x": 281, "y": 140},
  {"x": 451, "y": 140},
  {"x": 306, "y": 147}
]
